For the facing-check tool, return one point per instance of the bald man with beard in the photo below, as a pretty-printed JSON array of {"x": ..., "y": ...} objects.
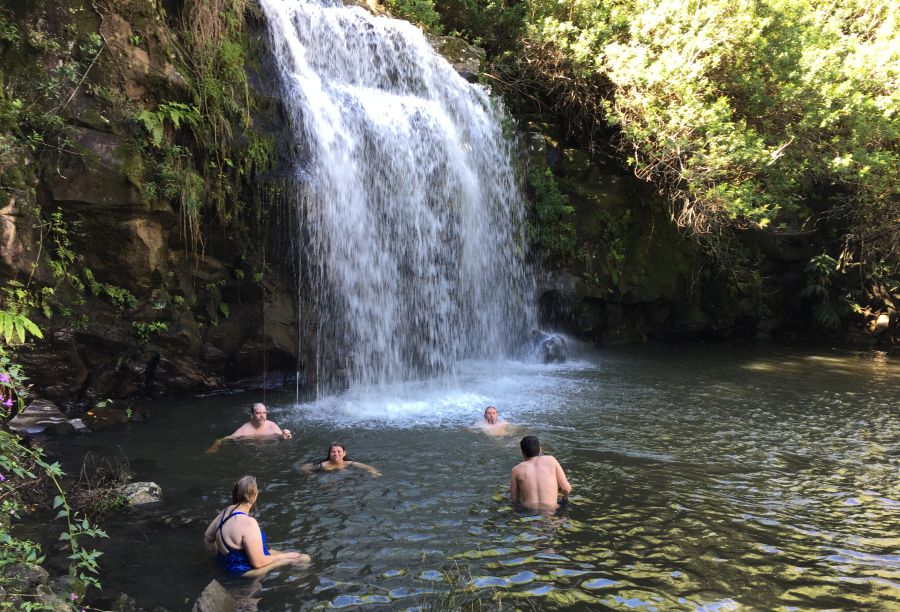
[{"x": 257, "y": 427}]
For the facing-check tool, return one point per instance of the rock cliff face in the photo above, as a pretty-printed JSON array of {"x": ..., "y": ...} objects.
[
  {"x": 633, "y": 277},
  {"x": 132, "y": 306}
]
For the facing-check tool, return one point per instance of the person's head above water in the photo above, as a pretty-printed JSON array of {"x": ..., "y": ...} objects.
[
  {"x": 245, "y": 491},
  {"x": 337, "y": 452},
  {"x": 258, "y": 414},
  {"x": 531, "y": 446},
  {"x": 491, "y": 415}
]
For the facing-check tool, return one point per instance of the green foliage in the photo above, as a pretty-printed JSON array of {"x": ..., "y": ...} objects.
[
  {"x": 147, "y": 331},
  {"x": 175, "y": 113},
  {"x": 421, "y": 12},
  {"x": 777, "y": 115},
  {"x": 830, "y": 304},
  {"x": 9, "y": 33},
  {"x": 121, "y": 298},
  {"x": 614, "y": 241},
  {"x": 489, "y": 23},
  {"x": 15, "y": 326},
  {"x": 552, "y": 229},
  {"x": 23, "y": 467},
  {"x": 736, "y": 110}
]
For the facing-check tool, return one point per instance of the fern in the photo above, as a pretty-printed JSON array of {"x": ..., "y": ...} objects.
[{"x": 15, "y": 327}]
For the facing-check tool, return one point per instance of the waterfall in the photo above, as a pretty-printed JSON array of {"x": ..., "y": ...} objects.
[{"x": 408, "y": 204}]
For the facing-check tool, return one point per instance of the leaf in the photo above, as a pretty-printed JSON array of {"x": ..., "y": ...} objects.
[
  {"x": 64, "y": 536},
  {"x": 32, "y": 329},
  {"x": 59, "y": 500}
]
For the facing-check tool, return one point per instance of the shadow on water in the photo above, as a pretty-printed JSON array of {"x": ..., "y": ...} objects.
[{"x": 705, "y": 478}]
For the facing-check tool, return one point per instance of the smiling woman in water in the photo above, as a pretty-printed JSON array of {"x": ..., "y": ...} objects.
[{"x": 337, "y": 459}]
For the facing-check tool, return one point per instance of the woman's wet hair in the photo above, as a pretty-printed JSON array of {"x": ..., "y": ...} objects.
[
  {"x": 531, "y": 446},
  {"x": 245, "y": 491},
  {"x": 328, "y": 452}
]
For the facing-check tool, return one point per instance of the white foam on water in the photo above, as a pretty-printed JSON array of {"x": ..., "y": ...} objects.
[{"x": 516, "y": 388}]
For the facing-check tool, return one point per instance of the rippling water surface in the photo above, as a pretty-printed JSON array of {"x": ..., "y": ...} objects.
[{"x": 710, "y": 478}]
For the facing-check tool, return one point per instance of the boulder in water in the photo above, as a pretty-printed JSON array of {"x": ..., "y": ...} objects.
[
  {"x": 142, "y": 493},
  {"x": 38, "y": 417},
  {"x": 550, "y": 348},
  {"x": 215, "y": 598}
]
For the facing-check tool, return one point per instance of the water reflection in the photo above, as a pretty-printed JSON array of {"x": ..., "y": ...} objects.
[{"x": 701, "y": 482}]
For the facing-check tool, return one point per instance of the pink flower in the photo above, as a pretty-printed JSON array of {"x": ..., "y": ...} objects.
[
  {"x": 8, "y": 402},
  {"x": 2, "y": 477},
  {"x": 73, "y": 596},
  {"x": 4, "y": 377}
]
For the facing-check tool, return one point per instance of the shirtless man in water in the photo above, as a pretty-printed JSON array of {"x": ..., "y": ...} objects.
[
  {"x": 539, "y": 480},
  {"x": 492, "y": 424},
  {"x": 257, "y": 427}
]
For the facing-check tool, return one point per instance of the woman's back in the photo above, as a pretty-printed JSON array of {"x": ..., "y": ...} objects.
[{"x": 234, "y": 527}]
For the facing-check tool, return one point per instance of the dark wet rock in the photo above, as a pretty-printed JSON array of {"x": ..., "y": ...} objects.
[
  {"x": 553, "y": 349},
  {"x": 38, "y": 417},
  {"x": 215, "y": 598},
  {"x": 124, "y": 603},
  {"x": 46, "y": 599},
  {"x": 175, "y": 520},
  {"x": 25, "y": 577},
  {"x": 66, "y": 585},
  {"x": 140, "y": 415},
  {"x": 106, "y": 415},
  {"x": 142, "y": 493},
  {"x": 78, "y": 426},
  {"x": 465, "y": 58}
]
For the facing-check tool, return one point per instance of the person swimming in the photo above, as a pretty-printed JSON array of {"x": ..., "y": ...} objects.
[
  {"x": 337, "y": 459},
  {"x": 239, "y": 541},
  {"x": 539, "y": 481},
  {"x": 492, "y": 424}
]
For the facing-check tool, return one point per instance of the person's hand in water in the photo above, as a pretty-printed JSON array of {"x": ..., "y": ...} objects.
[{"x": 286, "y": 434}]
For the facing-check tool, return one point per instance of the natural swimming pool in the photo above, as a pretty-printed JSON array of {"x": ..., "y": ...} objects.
[{"x": 706, "y": 477}]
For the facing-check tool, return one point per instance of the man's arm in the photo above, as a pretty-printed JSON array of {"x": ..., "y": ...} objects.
[
  {"x": 274, "y": 429},
  {"x": 561, "y": 481},
  {"x": 244, "y": 430},
  {"x": 513, "y": 486}
]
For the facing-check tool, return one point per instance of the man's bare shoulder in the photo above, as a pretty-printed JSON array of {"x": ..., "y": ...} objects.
[
  {"x": 244, "y": 430},
  {"x": 272, "y": 428},
  {"x": 519, "y": 468}
]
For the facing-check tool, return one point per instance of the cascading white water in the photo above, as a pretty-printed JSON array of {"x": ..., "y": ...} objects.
[{"x": 406, "y": 195}]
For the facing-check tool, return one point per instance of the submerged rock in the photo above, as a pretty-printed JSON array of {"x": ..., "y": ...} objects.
[
  {"x": 215, "y": 598},
  {"x": 142, "y": 493}
]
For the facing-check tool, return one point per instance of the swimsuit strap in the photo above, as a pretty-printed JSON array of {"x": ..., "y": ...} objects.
[{"x": 222, "y": 524}]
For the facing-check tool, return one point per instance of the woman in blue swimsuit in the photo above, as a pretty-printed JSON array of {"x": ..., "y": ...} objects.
[{"x": 240, "y": 543}]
